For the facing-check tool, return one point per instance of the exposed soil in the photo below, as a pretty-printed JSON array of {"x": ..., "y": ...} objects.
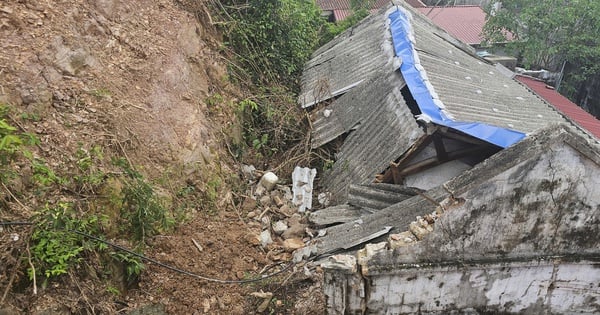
[{"x": 133, "y": 77}]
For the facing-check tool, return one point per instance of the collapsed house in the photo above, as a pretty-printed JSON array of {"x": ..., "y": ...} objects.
[{"x": 475, "y": 194}]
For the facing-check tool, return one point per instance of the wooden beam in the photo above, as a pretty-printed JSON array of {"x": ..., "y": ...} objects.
[{"x": 434, "y": 161}]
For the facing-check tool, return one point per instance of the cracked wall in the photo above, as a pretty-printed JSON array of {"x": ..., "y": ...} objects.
[{"x": 524, "y": 241}]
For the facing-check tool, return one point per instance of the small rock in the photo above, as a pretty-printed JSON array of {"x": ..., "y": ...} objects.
[
  {"x": 265, "y": 238},
  {"x": 279, "y": 227},
  {"x": 265, "y": 220},
  {"x": 260, "y": 190},
  {"x": 265, "y": 200},
  {"x": 287, "y": 210},
  {"x": 253, "y": 239},
  {"x": 430, "y": 218},
  {"x": 292, "y": 244},
  {"x": 264, "y": 305},
  {"x": 281, "y": 257},
  {"x": 206, "y": 305},
  {"x": 401, "y": 239},
  {"x": 295, "y": 230},
  {"x": 287, "y": 193},
  {"x": 278, "y": 201},
  {"x": 424, "y": 224},
  {"x": 248, "y": 172},
  {"x": 249, "y": 204},
  {"x": 251, "y": 214},
  {"x": 6, "y": 10}
]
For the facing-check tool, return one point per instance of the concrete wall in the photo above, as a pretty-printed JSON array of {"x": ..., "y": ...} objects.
[{"x": 519, "y": 234}]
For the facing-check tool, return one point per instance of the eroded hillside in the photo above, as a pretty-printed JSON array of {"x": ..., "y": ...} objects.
[{"x": 100, "y": 81}]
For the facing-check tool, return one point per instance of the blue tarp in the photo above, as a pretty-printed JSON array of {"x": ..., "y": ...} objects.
[{"x": 403, "y": 47}]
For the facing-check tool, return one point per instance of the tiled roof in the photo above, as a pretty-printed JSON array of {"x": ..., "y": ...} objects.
[
  {"x": 563, "y": 104},
  {"x": 339, "y": 15},
  {"x": 463, "y": 22},
  {"x": 330, "y": 5}
]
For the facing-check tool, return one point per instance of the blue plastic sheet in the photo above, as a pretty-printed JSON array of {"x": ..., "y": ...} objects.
[{"x": 403, "y": 47}]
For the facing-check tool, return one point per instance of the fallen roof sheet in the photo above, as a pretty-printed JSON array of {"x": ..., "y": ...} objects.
[
  {"x": 563, "y": 104},
  {"x": 464, "y": 22},
  {"x": 380, "y": 128},
  {"x": 363, "y": 200},
  {"x": 397, "y": 217}
]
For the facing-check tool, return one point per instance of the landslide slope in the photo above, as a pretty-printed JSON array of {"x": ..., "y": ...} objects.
[{"x": 129, "y": 79}]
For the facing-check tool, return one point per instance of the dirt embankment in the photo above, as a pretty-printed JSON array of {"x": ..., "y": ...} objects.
[{"x": 131, "y": 77}]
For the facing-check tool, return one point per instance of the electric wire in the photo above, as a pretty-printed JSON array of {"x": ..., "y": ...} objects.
[{"x": 164, "y": 265}]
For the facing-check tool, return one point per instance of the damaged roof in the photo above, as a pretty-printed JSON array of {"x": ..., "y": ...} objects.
[{"x": 360, "y": 76}]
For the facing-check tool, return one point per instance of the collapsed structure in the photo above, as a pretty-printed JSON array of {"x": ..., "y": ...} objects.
[{"x": 481, "y": 195}]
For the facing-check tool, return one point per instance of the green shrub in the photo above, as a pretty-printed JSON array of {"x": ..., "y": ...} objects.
[
  {"x": 273, "y": 38},
  {"x": 142, "y": 210},
  {"x": 54, "y": 247}
]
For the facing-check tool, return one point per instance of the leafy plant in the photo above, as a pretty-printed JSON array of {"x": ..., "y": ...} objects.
[
  {"x": 44, "y": 175},
  {"x": 54, "y": 246},
  {"x": 89, "y": 176},
  {"x": 549, "y": 34},
  {"x": 273, "y": 38},
  {"x": 141, "y": 208}
]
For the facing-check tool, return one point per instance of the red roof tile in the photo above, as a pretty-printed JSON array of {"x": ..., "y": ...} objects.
[
  {"x": 339, "y": 15},
  {"x": 563, "y": 104},
  {"x": 463, "y": 22},
  {"x": 330, "y": 5}
]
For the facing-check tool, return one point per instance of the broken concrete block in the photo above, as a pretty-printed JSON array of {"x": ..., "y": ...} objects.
[
  {"x": 304, "y": 252},
  {"x": 363, "y": 255},
  {"x": 345, "y": 263},
  {"x": 279, "y": 227},
  {"x": 302, "y": 187},
  {"x": 418, "y": 230},
  {"x": 268, "y": 180},
  {"x": 402, "y": 239}
]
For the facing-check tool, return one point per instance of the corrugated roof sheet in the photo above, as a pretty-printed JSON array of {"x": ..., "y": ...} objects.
[
  {"x": 332, "y": 5},
  {"x": 381, "y": 128},
  {"x": 474, "y": 91},
  {"x": 416, "y": 3},
  {"x": 344, "y": 62},
  {"x": 359, "y": 68},
  {"x": 463, "y": 22},
  {"x": 563, "y": 104}
]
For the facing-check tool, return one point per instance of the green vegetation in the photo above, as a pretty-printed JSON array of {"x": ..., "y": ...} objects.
[
  {"x": 55, "y": 248},
  {"x": 549, "y": 33},
  {"x": 142, "y": 211},
  {"x": 272, "y": 38},
  {"x": 270, "y": 41}
]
